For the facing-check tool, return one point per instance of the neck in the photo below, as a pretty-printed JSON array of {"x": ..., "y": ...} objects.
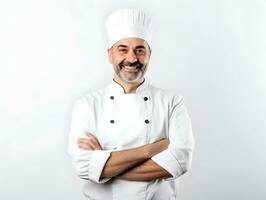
[{"x": 128, "y": 87}]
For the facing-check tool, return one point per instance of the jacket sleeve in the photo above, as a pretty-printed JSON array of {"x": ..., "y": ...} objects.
[
  {"x": 176, "y": 159},
  {"x": 87, "y": 164}
]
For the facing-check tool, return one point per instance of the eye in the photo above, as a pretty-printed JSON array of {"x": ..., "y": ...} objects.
[
  {"x": 122, "y": 50},
  {"x": 140, "y": 51}
]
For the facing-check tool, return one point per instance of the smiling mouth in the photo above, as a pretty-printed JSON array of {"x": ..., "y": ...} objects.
[
  {"x": 130, "y": 69},
  {"x": 130, "y": 66}
]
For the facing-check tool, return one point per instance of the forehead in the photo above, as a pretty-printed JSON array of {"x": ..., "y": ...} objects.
[{"x": 131, "y": 42}]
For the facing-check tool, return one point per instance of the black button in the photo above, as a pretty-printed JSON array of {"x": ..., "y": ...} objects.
[
  {"x": 112, "y": 121},
  {"x": 147, "y": 121},
  {"x": 145, "y": 98},
  {"x": 112, "y": 97}
]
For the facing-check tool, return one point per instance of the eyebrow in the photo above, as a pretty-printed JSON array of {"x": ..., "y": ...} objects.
[
  {"x": 121, "y": 45},
  {"x": 137, "y": 47},
  {"x": 140, "y": 47}
]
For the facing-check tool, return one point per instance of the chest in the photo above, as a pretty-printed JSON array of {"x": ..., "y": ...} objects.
[{"x": 130, "y": 120}]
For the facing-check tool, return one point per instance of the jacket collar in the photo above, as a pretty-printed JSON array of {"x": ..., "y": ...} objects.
[{"x": 118, "y": 89}]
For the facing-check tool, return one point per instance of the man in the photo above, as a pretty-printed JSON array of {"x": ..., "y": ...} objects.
[{"x": 130, "y": 140}]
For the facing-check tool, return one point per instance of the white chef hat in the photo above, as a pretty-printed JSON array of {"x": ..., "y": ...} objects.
[{"x": 128, "y": 23}]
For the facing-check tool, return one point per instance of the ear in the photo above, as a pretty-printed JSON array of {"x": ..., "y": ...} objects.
[
  {"x": 150, "y": 53},
  {"x": 110, "y": 57}
]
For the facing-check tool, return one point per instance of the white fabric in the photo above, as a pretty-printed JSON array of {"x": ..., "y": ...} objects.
[
  {"x": 168, "y": 119},
  {"x": 127, "y": 23}
]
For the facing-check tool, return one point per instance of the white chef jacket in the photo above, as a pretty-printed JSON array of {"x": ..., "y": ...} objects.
[{"x": 122, "y": 121}]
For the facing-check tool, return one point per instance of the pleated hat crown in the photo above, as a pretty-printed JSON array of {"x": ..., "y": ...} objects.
[{"x": 128, "y": 23}]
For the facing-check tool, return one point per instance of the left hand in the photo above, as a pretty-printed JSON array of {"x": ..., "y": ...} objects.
[{"x": 89, "y": 143}]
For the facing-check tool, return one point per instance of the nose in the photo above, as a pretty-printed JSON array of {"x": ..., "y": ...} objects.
[{"x": 131, "y": 57}]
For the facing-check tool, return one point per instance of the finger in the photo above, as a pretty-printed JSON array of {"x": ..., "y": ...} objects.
[
  {"x": 89, "y": 134},
  {"x": 83, "y": 143},
  {"x": 89, "y": 143},
  {"x": 94, "y": 140},
  {"x": 86, "y": 141},
  {"x": 84, "y": 146}
]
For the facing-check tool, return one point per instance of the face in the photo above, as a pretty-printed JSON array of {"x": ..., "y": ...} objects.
[{"x": 130, "y": 58}]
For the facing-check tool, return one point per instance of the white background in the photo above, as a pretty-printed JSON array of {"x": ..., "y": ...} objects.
[{"x": 212, "y": 52}]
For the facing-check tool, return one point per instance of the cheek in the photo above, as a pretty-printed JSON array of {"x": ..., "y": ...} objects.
[
  {"x": 114, "y": 58},
  {"x": 118, "y": 60},
  {"x": 110, "y": 58},
  {"x": 144, "y": 60}
]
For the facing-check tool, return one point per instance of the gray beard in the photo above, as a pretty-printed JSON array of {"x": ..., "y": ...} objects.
[
  {"x": 125, "y": 79},
  {"x": 121, "y": 75}
]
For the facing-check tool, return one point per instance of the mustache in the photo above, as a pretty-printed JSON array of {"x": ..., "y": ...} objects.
[{"x": 136, "y": 64}]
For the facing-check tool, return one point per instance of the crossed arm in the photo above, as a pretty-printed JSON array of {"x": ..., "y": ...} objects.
[{"x": 133, "y": 164}]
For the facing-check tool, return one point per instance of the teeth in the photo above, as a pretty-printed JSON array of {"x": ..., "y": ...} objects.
[{"x": 132, "y": 68}]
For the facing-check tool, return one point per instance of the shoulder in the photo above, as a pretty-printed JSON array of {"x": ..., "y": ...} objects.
[
  {"x": 90, "y": 98},
  {"x": 170, "y": 97}
]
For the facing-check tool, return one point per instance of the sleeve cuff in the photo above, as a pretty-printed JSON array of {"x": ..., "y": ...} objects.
[
  {"x": 97, "y": 163},
  {"x": 167, "y": 161}
]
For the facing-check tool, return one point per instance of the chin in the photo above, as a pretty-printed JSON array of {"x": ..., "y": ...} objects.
[{"x": 136, "y": 80}]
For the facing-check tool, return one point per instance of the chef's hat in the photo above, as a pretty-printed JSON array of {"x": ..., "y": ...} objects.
[{"x": 128, "y": 23}]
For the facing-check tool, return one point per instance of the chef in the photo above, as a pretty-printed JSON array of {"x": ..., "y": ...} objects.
[{"x": 130, "y": 140}]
